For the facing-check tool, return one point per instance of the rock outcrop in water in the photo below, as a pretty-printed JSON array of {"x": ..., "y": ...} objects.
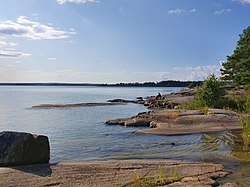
[
  {"x": 169, "y": 101},
  {"x": 166, "y": 119},
  {"x": 19, "y": 148},
  {"x": 76, "y": 105},
  {"x": 177, "y": 122}
]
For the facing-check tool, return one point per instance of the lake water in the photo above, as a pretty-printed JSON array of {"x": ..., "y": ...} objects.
[{"x": 79, "y": 133}]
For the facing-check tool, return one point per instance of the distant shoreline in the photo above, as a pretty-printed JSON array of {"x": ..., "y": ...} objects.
[{"x": 146, "y": 84}]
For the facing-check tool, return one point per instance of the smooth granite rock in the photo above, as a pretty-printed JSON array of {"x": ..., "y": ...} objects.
[
  {"x": 179, "y": 122},
  {"x": 112, "y": 173},
  {"x": 19, "y": 148}
]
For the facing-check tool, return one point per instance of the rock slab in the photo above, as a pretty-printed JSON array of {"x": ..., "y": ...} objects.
[
  {"x": 180, "y": 122},
  {"x": 111, "y": 173},
  {"x": 19, "y": 148}
]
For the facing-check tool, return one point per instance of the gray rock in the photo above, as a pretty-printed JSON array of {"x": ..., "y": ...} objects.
[
  {"x": 230, "y": 185},
  {"x": 138, "y": 122},
  {"x": 177, "y": 122},
  {"x": 19, "y": 148},
  {"x": 112, "y": 173}
]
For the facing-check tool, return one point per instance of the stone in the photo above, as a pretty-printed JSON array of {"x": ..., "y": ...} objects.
[
  {"x": 140, "y": 98},
  {"x": 19, "y": 148},
  {"x": 138, "y": 122},
  {"x": 230, "y": 185},
  {"x": 121, "y": 101}
]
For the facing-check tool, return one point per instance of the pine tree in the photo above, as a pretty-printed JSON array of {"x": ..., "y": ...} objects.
[{"x": 237, "y": 67}]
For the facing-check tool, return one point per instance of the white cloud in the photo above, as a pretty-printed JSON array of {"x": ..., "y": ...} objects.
[
  {"x": 72, "y": 75},
  {"x": 193, "y": 10},
  {"x": 179, "y": 11},
  {"x": 3, "y": 43},
  {"x": 76, "y": 1},
  {"x": 243, "y": 1},
  {"x": 26, "y": 28},
  {"x": 7, "y": 52},
  {"x": 13, "y": 44},
  {"x": 6, "y": 44},
  {"x": 218, "y": 12},
  {"x": 51, "y": 58},
  {"x": 176, "y": 11},
  {"x": 87, "y": 21},
  {"x": 193, "y": 73},
  {"x": 12, "y": 54},
  {"x": 201, "y": 72}
]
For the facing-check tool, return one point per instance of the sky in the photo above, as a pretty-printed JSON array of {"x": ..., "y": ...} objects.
[{"x": 110, "y": 41}]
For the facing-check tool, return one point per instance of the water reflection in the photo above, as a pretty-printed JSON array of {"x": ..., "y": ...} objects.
[{"x": 229, "y": 151}]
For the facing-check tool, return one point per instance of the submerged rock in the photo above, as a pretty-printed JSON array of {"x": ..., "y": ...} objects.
[{"x": 19, "y": 148}]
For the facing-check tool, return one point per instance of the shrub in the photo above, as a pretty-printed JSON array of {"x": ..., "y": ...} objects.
[
  {"x": 247, "y": 87},
  {"x": 191, "y": 85},
  {"x": 211, "y": 92},
  {"x": 237, "y": 103}
]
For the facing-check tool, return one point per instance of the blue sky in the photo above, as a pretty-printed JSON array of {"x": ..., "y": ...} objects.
[{"x": 108, "y": 41}]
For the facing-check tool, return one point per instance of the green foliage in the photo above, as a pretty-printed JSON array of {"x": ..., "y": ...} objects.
[
  {"x": 243, "y": 104},
  {"x": 246, "y": 133},
  {"x": 238, "y": 103},
  {"x": 160, "y": 179},
  {"x": 191, "y": 85},
  {"x": 210, "y": 93},
  {"x": 193, "y": 105},
  {"x": 237, "y": 67},
  {"x": 247, "y": 87}
]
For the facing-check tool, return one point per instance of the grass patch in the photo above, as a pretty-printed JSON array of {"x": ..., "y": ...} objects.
[
  {"x": 159, "y": 179},
  {"x": 246, "y": 133},
  {"x": 238, "y": 103}
]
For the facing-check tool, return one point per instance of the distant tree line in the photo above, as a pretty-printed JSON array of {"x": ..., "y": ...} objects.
[{"x": 169, "y": 83}]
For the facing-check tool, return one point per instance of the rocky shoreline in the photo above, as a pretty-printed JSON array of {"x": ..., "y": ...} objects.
[
  {"x": 163, "y": 118},
  {"x": 113, "y": 173},
  {"x": 166, "y": 119}
]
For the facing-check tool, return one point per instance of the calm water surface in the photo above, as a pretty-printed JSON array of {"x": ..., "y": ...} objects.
[{"x": 79, "y": 134}]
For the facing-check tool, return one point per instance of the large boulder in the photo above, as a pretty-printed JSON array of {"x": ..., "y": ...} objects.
[{"x": 19, "y": 148}]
